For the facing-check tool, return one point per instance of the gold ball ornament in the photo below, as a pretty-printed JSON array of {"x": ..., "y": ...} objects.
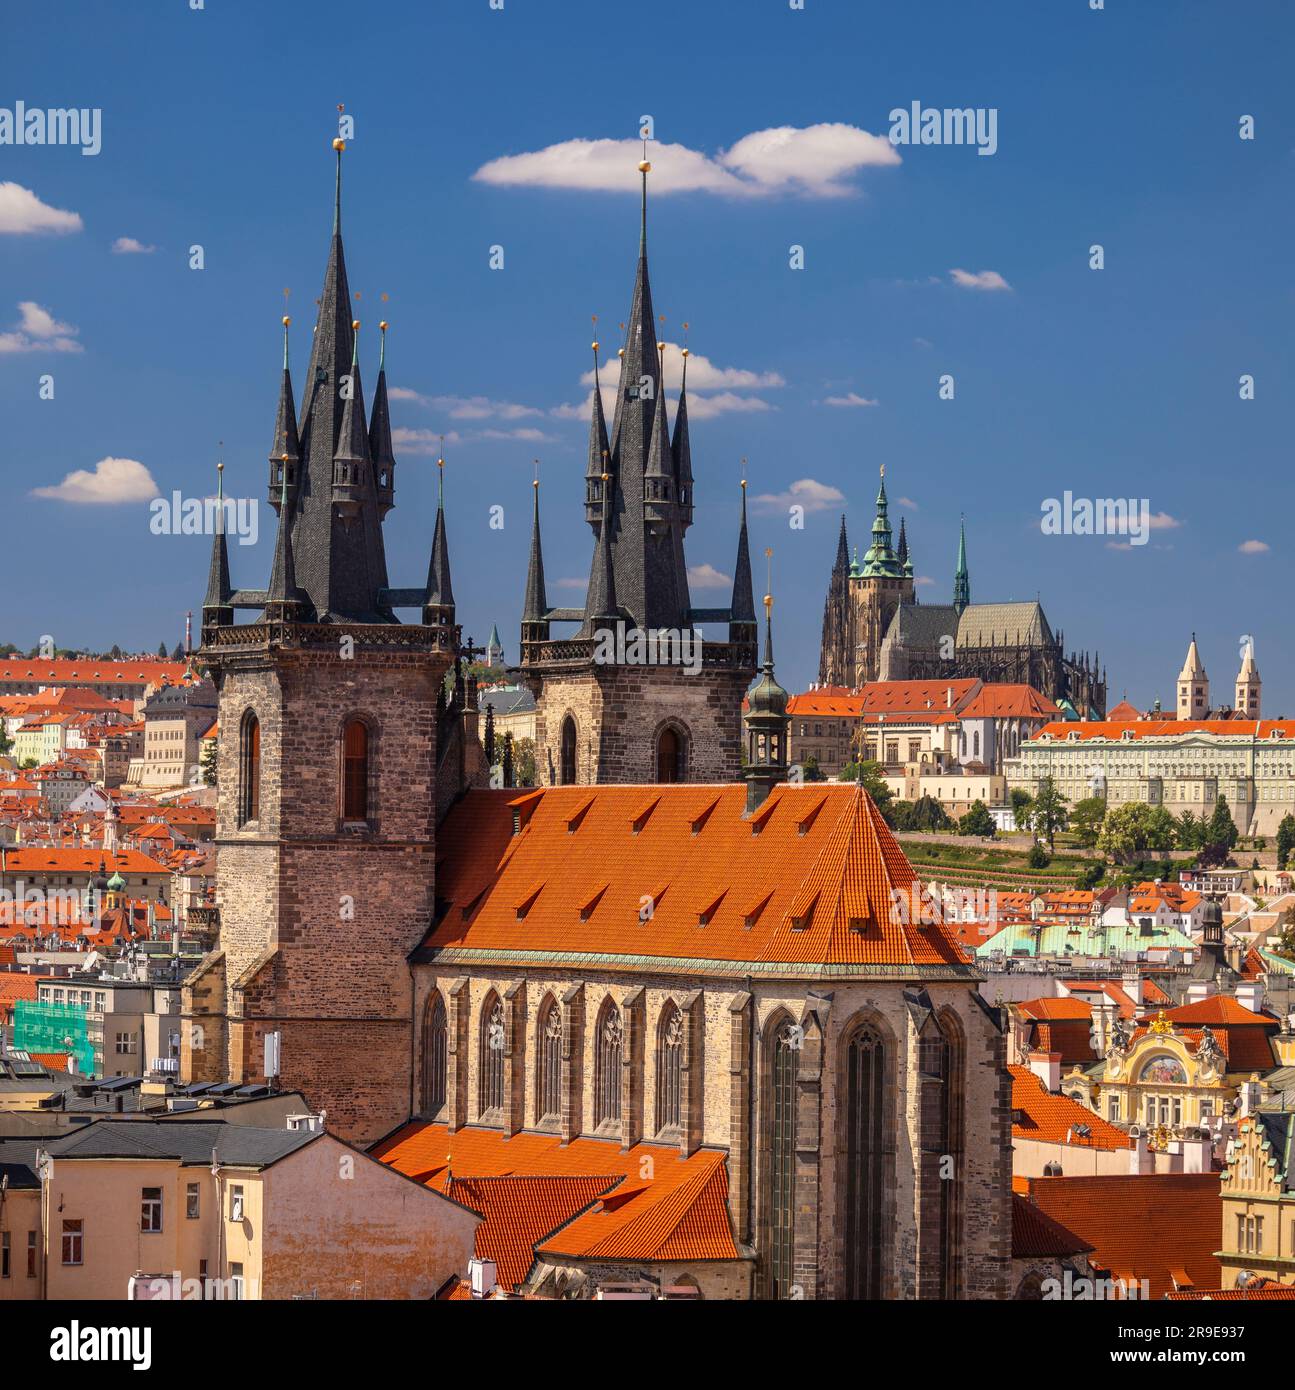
[
  {"x": 645, "y": 166},
  {"x": 339, "y": 145}
]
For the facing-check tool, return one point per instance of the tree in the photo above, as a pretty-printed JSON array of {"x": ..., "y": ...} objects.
[
  {"x": 1047, "y": 812},
  {"x": 928, "y": 814},
  {"x": 207, "y": 762},
  {"x": 1134, "y": 828},
  {"x": 869, "y": 775},
  {"x": 525, "y": 767},
  {"x": 161, "y": 650},
  {"x": 1086, "y": 819},
  {"x": 1161, "y": 829},
  {"x": 1189, "y": 831},
  {"x": 1020, "y": 808},
  {"x": 810, "y": 770},
  {"x": 1091, "y": 874},
  {"x": 1038, "y": 857},
  {"x": 6, "y": 743},
  {"x": 977, "y": 821},
  {"x": 178, "y": 653},
  {"x": 1285, "y": 839},
  {"x": 1222, "y": 828},
  {"x": 116, "y": 652}
]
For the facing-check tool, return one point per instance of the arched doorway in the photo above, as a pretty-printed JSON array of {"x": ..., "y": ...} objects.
[
  {"x": 671, "y": 753},
  {"x": 567, "y": 771}
]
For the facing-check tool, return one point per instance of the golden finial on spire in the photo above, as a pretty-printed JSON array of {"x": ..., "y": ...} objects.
[
  {"x": 536, "y": 483},
  {"x": 644, "y": 166},
  {"x": 594, "y": 320},
  {"x": 339, "y": 144},
  {"x": 355, "y": 325},
  {"x": 883, "y": 470},
  {"x": 286, "y": 320},
  {"x": 743, "y": 472},
  {"x": 383, "y": 325},
  {"x": 768, "y": 598},
  {"x": 683, "y": 351}
]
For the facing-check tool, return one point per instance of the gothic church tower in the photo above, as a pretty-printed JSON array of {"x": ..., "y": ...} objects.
[
  {"x": 337, "y": 747},
  {"x": 611, "y": 707}
]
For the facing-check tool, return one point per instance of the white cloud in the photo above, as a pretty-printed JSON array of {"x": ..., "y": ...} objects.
[
  {"x": 708, "y": 577},
  {"x": 909, "y": 503},
  {"x": 570, "y": 583},
  {"x": 37, "y": 330},
  {"x": 22, "y": 213},
  {"x": 113, "y": 480},
  {"x": 723, "y": 403},
  {"x": 851, "y": 398},
  {"x": 128, "y": 246},
  {"x": 805, "y": 492},
  {"x": 812, "y": 160},
  {"x": 1254, "y": 547},
  {"x": 528, "y": 433},
  {"x": 923, "y": 580},
  {"x": 422, "y": 441},
  {"x": 466, "y": 407},
  {"x": 979, "y": 280},
  {"x": 703, "y": 374},
  {"x": 1162, "y": 521}
]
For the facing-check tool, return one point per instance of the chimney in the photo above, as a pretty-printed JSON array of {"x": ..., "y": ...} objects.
[
  {"x": 1197, "y": 1150},
  {"x": 1047, "y": 1067},
  {"x": 482, "y": 1274},
  {"x": 1141, "y": 1159},
  {"x": 1250, "y": 995},
  {"x": 948, "y": 696},
  {"x": 1131, "y": 983},
  {"x": 1199, "y": 990}
]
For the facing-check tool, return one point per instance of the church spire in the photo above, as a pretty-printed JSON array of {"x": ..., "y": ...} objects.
[
  {"x": 880, "y": 561},
  {"x": 962, "y": 579},
  {"x": 767, "y": 722},
  {"x": 284, "y": 601},
  {"x": 438, "y": 600},
  {"x": 339, "y": 548},
  {"x": 601, "y": 609},
  {"x": 534, "y": 626},
  {"x": 681, "y": 449},
  {"x": 658, "y": 475},
  {"x": 741, "y": 626},
  {"x": 285, "y": 453},
  {"x": 216, "y": 608},
  {"x": 599, "y": 449},
  {"x": 380, "y": 450},
  {"x": 842, "y": 564}
]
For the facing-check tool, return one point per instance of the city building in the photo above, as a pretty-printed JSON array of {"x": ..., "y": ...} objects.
[{"x": 1258, "y": 1187}]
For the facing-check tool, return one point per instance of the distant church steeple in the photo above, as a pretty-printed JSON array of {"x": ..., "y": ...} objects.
[
  {"x": 961, "y": 578},
  {"x": 1249, "y": 686},
  {"x": 1193, "y": 685}
]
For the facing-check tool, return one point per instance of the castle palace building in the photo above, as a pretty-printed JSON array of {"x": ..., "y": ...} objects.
[
  {"x": 738, "y": 994},
  {"x": 637, "y": 693},
  {"x": 874, "y": 628}
]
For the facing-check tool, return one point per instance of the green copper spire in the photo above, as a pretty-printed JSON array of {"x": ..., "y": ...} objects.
[
  {"x": 881, "y": 562},
  {"x": 855, "y": 571},
  {"x": 962, "y": 580}
]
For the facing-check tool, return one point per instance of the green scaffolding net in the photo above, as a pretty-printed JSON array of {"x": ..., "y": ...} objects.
[{"x": 53, "y": 1028}]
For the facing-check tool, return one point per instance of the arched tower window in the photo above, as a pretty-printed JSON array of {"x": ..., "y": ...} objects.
[
  {"x": 669, "y": 1069},
  {"x": 435, "y": 1055},
  {"x": 865, "y": 1164},
  {"x": 549, "y": 1087},
  {"x": 249, "y": 769},
  {"x": 610, "y": 1044},
  {"x": 784, "y": 1061},
  {"x": 671, "y": 755},
  {"x": 491, "y": 1065},
  {"x": 355, "y": 770},
  {"x": 567, "y": 772}
]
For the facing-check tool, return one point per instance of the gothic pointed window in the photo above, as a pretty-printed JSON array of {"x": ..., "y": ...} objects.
[
  {"x": 865, "y": 1165},
  {"x": 355, "y": 771},
  {"x": 567, "y": 774},
  {"x": 671, "y": 755},
  {"x": 941, "y": 1063},
  {"x": 435, "y": 1056},
  {"x": 669, "y": 1070},
  {"x": 550, "y": 1063},
  {"x": 249, "y": 769},
  {"x": 784, "y": 1063},
  {"x": 494, "y": 1039},
  {"x": 610, "y": 1044}
]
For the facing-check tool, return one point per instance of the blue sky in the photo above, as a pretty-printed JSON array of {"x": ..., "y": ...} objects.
[{"x": 1118, "y": 127}]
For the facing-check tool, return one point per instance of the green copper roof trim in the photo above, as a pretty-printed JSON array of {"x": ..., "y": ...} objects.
[{"x": 693, "y": 965}]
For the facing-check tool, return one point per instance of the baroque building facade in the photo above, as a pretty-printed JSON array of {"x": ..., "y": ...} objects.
[
  {"x": 693, "y": 970},
  {"x": 874, "y": 628}
]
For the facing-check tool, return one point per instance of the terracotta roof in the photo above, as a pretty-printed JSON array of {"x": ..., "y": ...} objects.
[
  {"x": 1219, "y": 1009},
  {"x": 90, "y": 672},
  {"x": 836, "y": 704},
  {"x": 1051, "y": 1118},
  {"x": 14, "y": 987},
  {"x": 1008, "y": 702},
  {"x": 1062, "y": 1006},
  {"x": 1122, "y": 713},
  {"x": 1165, "y": 728},
  {"x": 917, "y": 696},
  {"x": 75, "y": 860},
  {"x": 1265, "y": 1289},
  {"x": 1142, "y": 1226},
  {"x": 1035, "y": 1234},
  {"x": 51, "y": 1061},
  {"x": 678, "y": 874},
  {"x": 678, "y": 1212},
  {"x": 519, "y": 1211}
]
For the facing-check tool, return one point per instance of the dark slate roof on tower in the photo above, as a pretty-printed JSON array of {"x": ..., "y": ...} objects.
[
  {"x": 536, "y": 604},
  {"x": 681, "y": 446},
  {"x": 380, "y": 450},
  {"x": 439, "y": 588},
  {"x": 284, "y": 592},
  {"x": 286, "y": 439},
  {"x": 218, "y": 586},
  {"x": 342, "y": 565},
  {"x": 743, "y": 609}
]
